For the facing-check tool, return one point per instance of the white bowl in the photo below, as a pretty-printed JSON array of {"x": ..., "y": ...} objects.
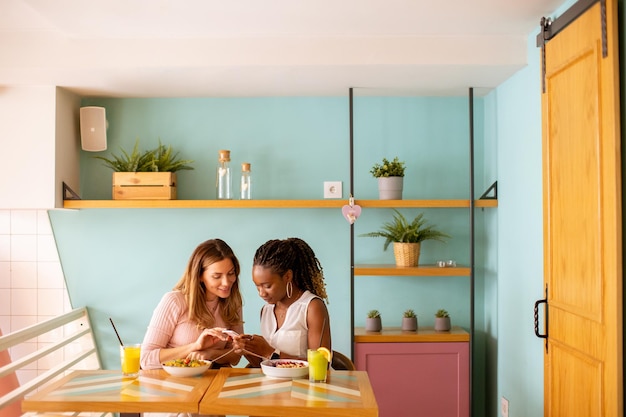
[
  {"x": 270, "y": 369},
  {"x": 187, "y": 370}
]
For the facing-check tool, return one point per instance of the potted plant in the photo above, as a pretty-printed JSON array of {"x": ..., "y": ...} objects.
[
  {"x": 373, "y": 322},
  {"x": 390, "y": 178},
  {"x": 149, "y": 174},
  {"x": 442, "y": 321},
  {"x": 409, "y": 321},
  {"x": 407, "y": 237}
]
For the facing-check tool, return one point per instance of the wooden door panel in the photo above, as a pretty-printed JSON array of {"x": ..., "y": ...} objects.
[
  {"x": 572, "y": 365},
  {"x": 582, "y": 220},
  {"x": 568, "y": 328}
]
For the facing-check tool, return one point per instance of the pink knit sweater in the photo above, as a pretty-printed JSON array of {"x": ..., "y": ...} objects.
[{"x": 169, "y": 327}]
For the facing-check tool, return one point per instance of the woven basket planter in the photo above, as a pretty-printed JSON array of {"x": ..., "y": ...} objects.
[{"x": 407, "y": 254}]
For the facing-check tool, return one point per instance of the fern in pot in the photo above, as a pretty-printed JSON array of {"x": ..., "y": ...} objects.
[
  {"x": 407, "y": 237},
  {"x": 145, "y": 175}
]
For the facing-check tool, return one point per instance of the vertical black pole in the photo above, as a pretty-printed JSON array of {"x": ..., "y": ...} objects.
[
  {"x": 472, "y": 241},
  {"x": 351, "y": 226}
]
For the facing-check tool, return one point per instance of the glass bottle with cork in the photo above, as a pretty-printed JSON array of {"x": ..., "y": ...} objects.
[
  {"x": 246, "y": 181},
  {"x": 224, "y": 182}
]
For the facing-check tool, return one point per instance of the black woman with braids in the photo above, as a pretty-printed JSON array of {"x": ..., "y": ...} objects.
[{"x": 288, "y": 276}]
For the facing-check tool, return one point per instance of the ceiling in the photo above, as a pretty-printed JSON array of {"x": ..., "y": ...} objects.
[{"x": 248, "y": 48}]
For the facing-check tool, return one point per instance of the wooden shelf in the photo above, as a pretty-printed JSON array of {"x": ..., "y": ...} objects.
[
  {"x": 423, "y": 270},
  {"x": 423, "y": 334},
  {"x": 425, "y": 203},
  {"x": 275, "y": 204}
]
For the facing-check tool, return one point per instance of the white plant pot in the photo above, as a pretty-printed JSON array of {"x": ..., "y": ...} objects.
[{"x": 390, "y": 188}]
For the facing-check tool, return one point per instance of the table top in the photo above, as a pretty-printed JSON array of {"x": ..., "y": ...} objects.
[
  {"x": 108, "y": 391},
  {"x": 246, "y": 391}
]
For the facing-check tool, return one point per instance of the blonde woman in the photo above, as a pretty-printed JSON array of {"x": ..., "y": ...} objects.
[{"x": 188, "y": 321}]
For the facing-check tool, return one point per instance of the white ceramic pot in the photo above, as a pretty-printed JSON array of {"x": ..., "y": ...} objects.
[{"x": 390, "y": 188}]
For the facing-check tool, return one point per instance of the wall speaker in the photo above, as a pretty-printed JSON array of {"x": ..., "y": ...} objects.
[{"x": 93, "y": 129}]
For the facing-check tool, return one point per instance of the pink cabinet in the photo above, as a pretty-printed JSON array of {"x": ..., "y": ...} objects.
[{"x": 416, "y": 375}]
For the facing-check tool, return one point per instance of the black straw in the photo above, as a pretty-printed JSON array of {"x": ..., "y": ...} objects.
[{"x": 116, "y": 333}]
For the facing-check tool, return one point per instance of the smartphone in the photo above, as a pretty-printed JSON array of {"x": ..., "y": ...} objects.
[{"x": 231, "y": 333}]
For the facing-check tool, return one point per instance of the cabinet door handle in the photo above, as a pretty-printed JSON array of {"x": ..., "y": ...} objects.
[
  {"x": 545, "y": 334},
  {"x": 537, "y": 303}
]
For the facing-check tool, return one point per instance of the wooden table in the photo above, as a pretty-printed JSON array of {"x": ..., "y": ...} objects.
[
  {"x": 108, "y": 391},
  {"x": 237, "y": 391},
  {"x": 228, "y": 391}
]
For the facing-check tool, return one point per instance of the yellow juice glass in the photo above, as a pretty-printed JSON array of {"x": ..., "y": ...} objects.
[
  {"x": 129, "y": 355},
  {"x": 318, "y": 365}
]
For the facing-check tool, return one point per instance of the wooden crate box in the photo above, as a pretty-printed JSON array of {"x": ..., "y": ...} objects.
[{"x": 144, "y": 186}]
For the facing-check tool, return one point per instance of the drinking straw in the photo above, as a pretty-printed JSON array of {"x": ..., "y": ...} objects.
[{"x": 116, "y": 333}]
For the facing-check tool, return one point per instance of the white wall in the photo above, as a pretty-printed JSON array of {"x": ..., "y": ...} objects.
[
  {"x": 67, "y": 144},
  {"x": 38, "y": 141},
  {"x": 27, "y": 143}
]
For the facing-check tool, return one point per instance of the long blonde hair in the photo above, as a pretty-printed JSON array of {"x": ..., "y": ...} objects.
[{"x": 192, "y": 287}]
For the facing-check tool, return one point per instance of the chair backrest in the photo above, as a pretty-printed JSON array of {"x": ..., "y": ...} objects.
[
  {"x": 341, "y": 362},
  {"x": 69, "y": 344}
]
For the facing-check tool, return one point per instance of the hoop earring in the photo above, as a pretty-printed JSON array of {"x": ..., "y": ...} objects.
[{"x": 289, "y": 289}]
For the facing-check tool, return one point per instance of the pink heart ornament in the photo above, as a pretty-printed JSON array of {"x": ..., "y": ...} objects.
[{"x": 351, "y": 213}]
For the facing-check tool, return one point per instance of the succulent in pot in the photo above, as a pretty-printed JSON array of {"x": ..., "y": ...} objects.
[
  {"x": 373, "y": 322},
  {"x": 409, "y": 321},
  {"x": 442, "y": 321}
]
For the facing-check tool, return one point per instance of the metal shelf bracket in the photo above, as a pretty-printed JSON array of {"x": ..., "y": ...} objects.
[
  {"x": 492, "y": 189},
  {"x": 72, "y": 195}
]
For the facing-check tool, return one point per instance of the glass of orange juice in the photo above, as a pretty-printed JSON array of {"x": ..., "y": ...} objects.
[
  {"x": 129, "y": 355},
  {"x": 318, "y": 364}
]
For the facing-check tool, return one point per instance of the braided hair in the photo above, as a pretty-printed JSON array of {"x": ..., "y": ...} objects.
[{"x": 296, "y": 255}]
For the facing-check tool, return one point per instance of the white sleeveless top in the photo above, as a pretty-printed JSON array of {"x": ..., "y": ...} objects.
[{"x": 292, "y": 337}]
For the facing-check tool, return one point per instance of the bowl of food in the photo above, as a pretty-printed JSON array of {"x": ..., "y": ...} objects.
[
  {"x": 285, "y": 368},
  {"x": 186, "y": 367}
]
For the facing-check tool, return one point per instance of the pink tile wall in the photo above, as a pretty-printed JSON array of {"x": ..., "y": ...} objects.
[{"x": 32, "y": 287}]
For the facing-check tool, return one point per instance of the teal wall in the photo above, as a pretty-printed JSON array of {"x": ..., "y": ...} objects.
[
  {"x": 514, "y": 118},
  {"x": 520, "y": 237},
  {"x": 119, "y": 262}
]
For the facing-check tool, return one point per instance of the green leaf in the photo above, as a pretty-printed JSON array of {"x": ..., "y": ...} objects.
[{"x": 160, "y": 159}]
